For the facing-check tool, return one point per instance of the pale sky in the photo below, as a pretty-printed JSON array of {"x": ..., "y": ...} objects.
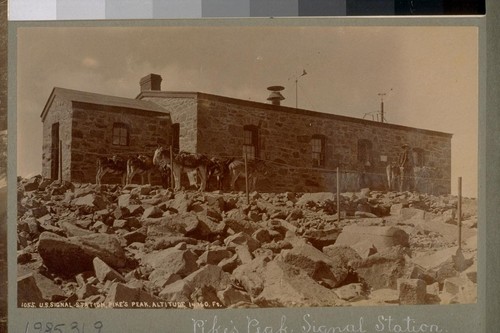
[{"x": 432, "y": 71}]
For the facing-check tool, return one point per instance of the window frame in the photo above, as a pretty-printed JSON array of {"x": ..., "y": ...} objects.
[
  {"x": 251, "y": 141},
  {"x": 121, "y": 132},
  {"x": 365, "y": 152},
  {"x": 318, "y": 157}
]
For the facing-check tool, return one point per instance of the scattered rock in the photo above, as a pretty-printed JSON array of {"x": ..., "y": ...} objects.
[
  {"x": 70, "y": 256},
  {"x": 383, "y": 269},
  {"x": 122, "y": 296},
  {"x": 27, "y": 290},
  {"x": 412, "y": 291},
  {"x": 137, "y": 244},
  {"x": 352, "y": 292},
  {"x": 380, "y": 237},
  {"x": 287, "y": 286},
  {"x": 103, "y": 272},
  {"x": 172, "y": 261},
  {"x": 328, "y": 271}
]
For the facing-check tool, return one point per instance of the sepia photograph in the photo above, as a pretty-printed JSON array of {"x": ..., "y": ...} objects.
[{"x": 215, "y": 167}]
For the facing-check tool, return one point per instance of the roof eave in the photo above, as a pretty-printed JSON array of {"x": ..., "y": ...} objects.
[{"x": 48, "y": 104}]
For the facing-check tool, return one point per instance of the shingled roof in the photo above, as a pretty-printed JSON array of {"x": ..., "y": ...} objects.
[{"x": 100, "y": 99}]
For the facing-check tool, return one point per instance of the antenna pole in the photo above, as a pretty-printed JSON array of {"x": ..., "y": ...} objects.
[
  {"x": 296, "y": 93},
  {"x": 382, "y": 118},
  {"x": 382, "y": 111},
  {"x": 296, "y": 88},
  {"x": 382, "y": 106}
]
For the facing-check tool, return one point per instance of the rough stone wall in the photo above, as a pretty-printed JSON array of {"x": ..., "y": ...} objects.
[
  {"x": 183, "y": 110},
  {"x": 92, "y": 132},
  {"x": 61, "y": 113},
  {"x": 285, "y": 143}
]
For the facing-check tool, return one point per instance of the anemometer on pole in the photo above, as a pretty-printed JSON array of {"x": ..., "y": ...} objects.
[
  {"x": 296, "y": 88},
  {"x": 382, "y": 119}
]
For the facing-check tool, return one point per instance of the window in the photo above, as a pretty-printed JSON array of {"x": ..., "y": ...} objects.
[
  {"x": 120, "y": 134},
  {"x": 318, "y": 150},
  {"x": 365, "y": 152},
  {"x": 250, "y": 141}
]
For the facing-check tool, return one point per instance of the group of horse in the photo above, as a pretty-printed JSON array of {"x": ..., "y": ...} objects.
[{"x": 198, "y": 167}]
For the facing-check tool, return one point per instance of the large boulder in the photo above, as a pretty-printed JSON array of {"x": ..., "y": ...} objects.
[
  {"x": 123, "y": 296},
  {"x": 383, "y": 269},
  {"x": 210, "y": 276},
  {"x": 214, "y": 256},
  {"x": 172, "y": 261},
  {"x": 323, "y": 237},
  {"x": 168, "y": 231},
  {"x": 73, "y": 255},
  {"x": 380, "y": 237},
  {"x": 242, "y": 238},
  {"x": 412, "y": 291},
  {"x": 329, "y": 271},
  {"x": 344, "y": 253},
  {"x": 231, "y": 296},
  {"x": 443, "y": 264},
  {"x": 308, "y": 199},
  {"x": 35, "y": 287},
  {"x": 251, "y": 275},
  {"x": 287, "y": 286},
  {"x": 28, "y": 290},
  {"x": 73, "y": 230},
  {"x": 351, "y": 292},
  {"x": 95, "y": 201},
  {"x": 103, "y": 272}
]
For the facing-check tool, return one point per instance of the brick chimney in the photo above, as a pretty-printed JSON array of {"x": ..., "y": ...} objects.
[{"x": 151, "y": 82}]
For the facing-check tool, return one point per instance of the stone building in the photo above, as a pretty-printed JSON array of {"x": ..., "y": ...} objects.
[
  {"x": 301, "y": 148},
  {"x": 79, "y": 126}
]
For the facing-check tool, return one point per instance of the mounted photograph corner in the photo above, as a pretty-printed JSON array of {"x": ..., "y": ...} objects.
[{"x": 246, "y": 167}]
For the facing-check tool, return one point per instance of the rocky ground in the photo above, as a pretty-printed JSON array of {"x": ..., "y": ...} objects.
[{"x": 80, "y": 245}]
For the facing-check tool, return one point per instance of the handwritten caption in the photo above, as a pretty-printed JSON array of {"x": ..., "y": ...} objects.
[
  {"x": 58, "y": 327},
  {"x": 309, "y": 324}
]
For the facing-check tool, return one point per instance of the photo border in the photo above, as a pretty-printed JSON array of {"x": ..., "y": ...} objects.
[{"x": 451, "y": 318}]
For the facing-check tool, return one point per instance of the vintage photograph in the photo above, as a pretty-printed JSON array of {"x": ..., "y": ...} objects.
[{"x": 246, "y": 166}]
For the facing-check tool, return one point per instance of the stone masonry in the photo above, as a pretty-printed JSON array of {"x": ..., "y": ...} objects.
[
  {"x": 92, "y": 137},
  {"x": 60, "y": 113},
  {"x": 83, "y": 124},
  {"x": 213, "y": 125}
]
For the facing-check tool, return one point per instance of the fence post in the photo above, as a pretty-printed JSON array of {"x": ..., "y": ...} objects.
[
  {"x": 172, "y": 168},
  {"x": 459, "y": 213},
  {"x": 246, "y": 177},
  {"x": 338, "y": 195}
]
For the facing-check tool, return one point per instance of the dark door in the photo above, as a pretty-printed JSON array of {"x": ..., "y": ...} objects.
[
  {"x": 175, "y": 137},
  {"x": 54, "y": 153}
]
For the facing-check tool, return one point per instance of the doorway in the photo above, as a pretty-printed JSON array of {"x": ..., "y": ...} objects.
[{"x": 55, "y": 152}]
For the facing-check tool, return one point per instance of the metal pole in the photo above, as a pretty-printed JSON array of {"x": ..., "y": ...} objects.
[
  {"x": 382, "y": 111},
  {"x": 338, "y": 195},
  {"x": 459, "y": 213},
  {"x": 296, "y": 95},
  {"x": 172, "y": 185},
  {"x": 246, "y": 178}
]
